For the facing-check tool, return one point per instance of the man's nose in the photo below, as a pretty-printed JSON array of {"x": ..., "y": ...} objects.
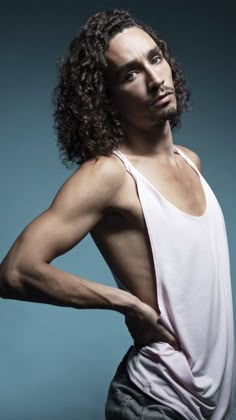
[{"x": 154, "y": 78}]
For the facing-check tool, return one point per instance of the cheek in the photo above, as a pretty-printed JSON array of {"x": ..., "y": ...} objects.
[
  {"x": 169, "y": 72},
  {"x": 126, "y": 99},
  {"x": 134, "y": 94}
]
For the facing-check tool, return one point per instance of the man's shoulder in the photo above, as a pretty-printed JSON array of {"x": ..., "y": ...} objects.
[
  {"x": 107, "y": 171},
  {"x": 95, "y": 184},
  {"x": 192, "y": 155}
]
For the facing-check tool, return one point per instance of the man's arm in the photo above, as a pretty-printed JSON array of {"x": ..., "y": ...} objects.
[{"x": 26, "y": 273}]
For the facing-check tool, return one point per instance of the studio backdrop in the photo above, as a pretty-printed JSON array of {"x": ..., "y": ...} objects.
[{"x": 56, "y": 363}]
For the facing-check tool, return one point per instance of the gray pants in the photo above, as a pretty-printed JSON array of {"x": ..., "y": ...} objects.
[{"x": 125, "y": 401}]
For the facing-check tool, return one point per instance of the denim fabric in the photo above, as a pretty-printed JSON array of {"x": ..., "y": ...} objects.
[{"x": 125, "y": 401}]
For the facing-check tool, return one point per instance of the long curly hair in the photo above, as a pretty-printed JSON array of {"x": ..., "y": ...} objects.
[{"x": 86, "y": 121}]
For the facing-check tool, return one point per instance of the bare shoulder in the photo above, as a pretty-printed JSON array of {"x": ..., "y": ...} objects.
[
  {"x": 97, "y": 180},
  {"x": 107, "y": 168},
  {"x": 192, "y": 155},
  {"x": 105, "y": 172}
]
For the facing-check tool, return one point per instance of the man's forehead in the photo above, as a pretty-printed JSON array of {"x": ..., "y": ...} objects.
[{"x": 129, "y": 43}]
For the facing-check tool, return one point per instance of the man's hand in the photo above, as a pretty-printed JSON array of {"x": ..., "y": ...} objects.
[{"x": 145, "y": 328}]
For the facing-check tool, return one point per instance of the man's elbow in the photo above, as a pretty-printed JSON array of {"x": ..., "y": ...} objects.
[
  {"x": 14, "y": 280},
  {"x": 9, "y": 281}
]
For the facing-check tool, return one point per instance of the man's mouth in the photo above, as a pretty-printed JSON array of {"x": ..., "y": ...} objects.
[{"x": 161, "y": 99}]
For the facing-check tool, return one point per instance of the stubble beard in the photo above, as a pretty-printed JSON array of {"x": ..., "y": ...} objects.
[{"x": 164, "y": 115}]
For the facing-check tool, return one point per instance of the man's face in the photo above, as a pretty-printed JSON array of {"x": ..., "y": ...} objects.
[{"x": 137, "y": 74}]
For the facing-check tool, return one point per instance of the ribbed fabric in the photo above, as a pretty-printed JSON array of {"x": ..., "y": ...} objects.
[{"x": 192, "y": 267}]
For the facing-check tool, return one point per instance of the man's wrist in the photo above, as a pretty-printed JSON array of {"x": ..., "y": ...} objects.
[{"x": 128, "y": 303}]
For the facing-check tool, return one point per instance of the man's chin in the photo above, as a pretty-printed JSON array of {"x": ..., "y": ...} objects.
[{"x": 164, "y": 115}]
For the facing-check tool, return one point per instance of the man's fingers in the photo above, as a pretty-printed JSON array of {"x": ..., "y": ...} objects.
[
  {"x": 168, "y": 337},
  {"x": 144, "y": 333}
]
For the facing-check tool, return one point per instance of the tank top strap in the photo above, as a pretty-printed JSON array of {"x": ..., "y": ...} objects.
[
  {"x": 188, "y": 160},
  {"x": 132, "y": 170},
  {"x": 124, "y": 160}
]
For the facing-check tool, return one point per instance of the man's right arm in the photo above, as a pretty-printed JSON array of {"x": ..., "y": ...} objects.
[
  {"x": 26, "y": 273},
  {"x": 81, "y": 202}
]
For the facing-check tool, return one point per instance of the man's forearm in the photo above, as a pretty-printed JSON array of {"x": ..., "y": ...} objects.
[{"x": 47, "y": 284}]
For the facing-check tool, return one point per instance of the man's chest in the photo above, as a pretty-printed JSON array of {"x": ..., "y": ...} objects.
[{"x": 181, "y": 186}]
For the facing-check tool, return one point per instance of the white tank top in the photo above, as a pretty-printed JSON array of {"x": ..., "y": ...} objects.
[{"x": 192, "y": 268}]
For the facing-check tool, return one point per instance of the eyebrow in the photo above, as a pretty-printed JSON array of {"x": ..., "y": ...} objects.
[{"x": 132, "y": 63}]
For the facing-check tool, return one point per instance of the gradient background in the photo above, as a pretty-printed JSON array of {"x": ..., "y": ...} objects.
[{"x": 56, "y": 363}]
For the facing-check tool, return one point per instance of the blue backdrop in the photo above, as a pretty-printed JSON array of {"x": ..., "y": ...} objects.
[{"x": 56, "y": 363}]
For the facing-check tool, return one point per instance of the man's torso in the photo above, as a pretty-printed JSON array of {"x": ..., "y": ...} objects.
[{"x": 121, "y": 236}]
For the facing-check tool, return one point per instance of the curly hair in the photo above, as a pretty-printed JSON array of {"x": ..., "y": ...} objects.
[{"x": 86, "y": 121}]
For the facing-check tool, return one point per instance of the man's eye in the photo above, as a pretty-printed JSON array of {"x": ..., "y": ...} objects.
[
  {"x": 130, "y": 75},
  {"x": 157, "y": 57}
]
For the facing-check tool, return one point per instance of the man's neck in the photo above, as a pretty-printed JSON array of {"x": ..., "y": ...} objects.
[{"x": 156, "y": 142}]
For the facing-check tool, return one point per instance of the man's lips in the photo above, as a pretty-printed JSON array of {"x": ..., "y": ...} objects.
[{"x": 159, "y": 98}]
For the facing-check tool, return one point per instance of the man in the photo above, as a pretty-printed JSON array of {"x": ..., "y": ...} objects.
[{"x": 152, "y": 215}]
